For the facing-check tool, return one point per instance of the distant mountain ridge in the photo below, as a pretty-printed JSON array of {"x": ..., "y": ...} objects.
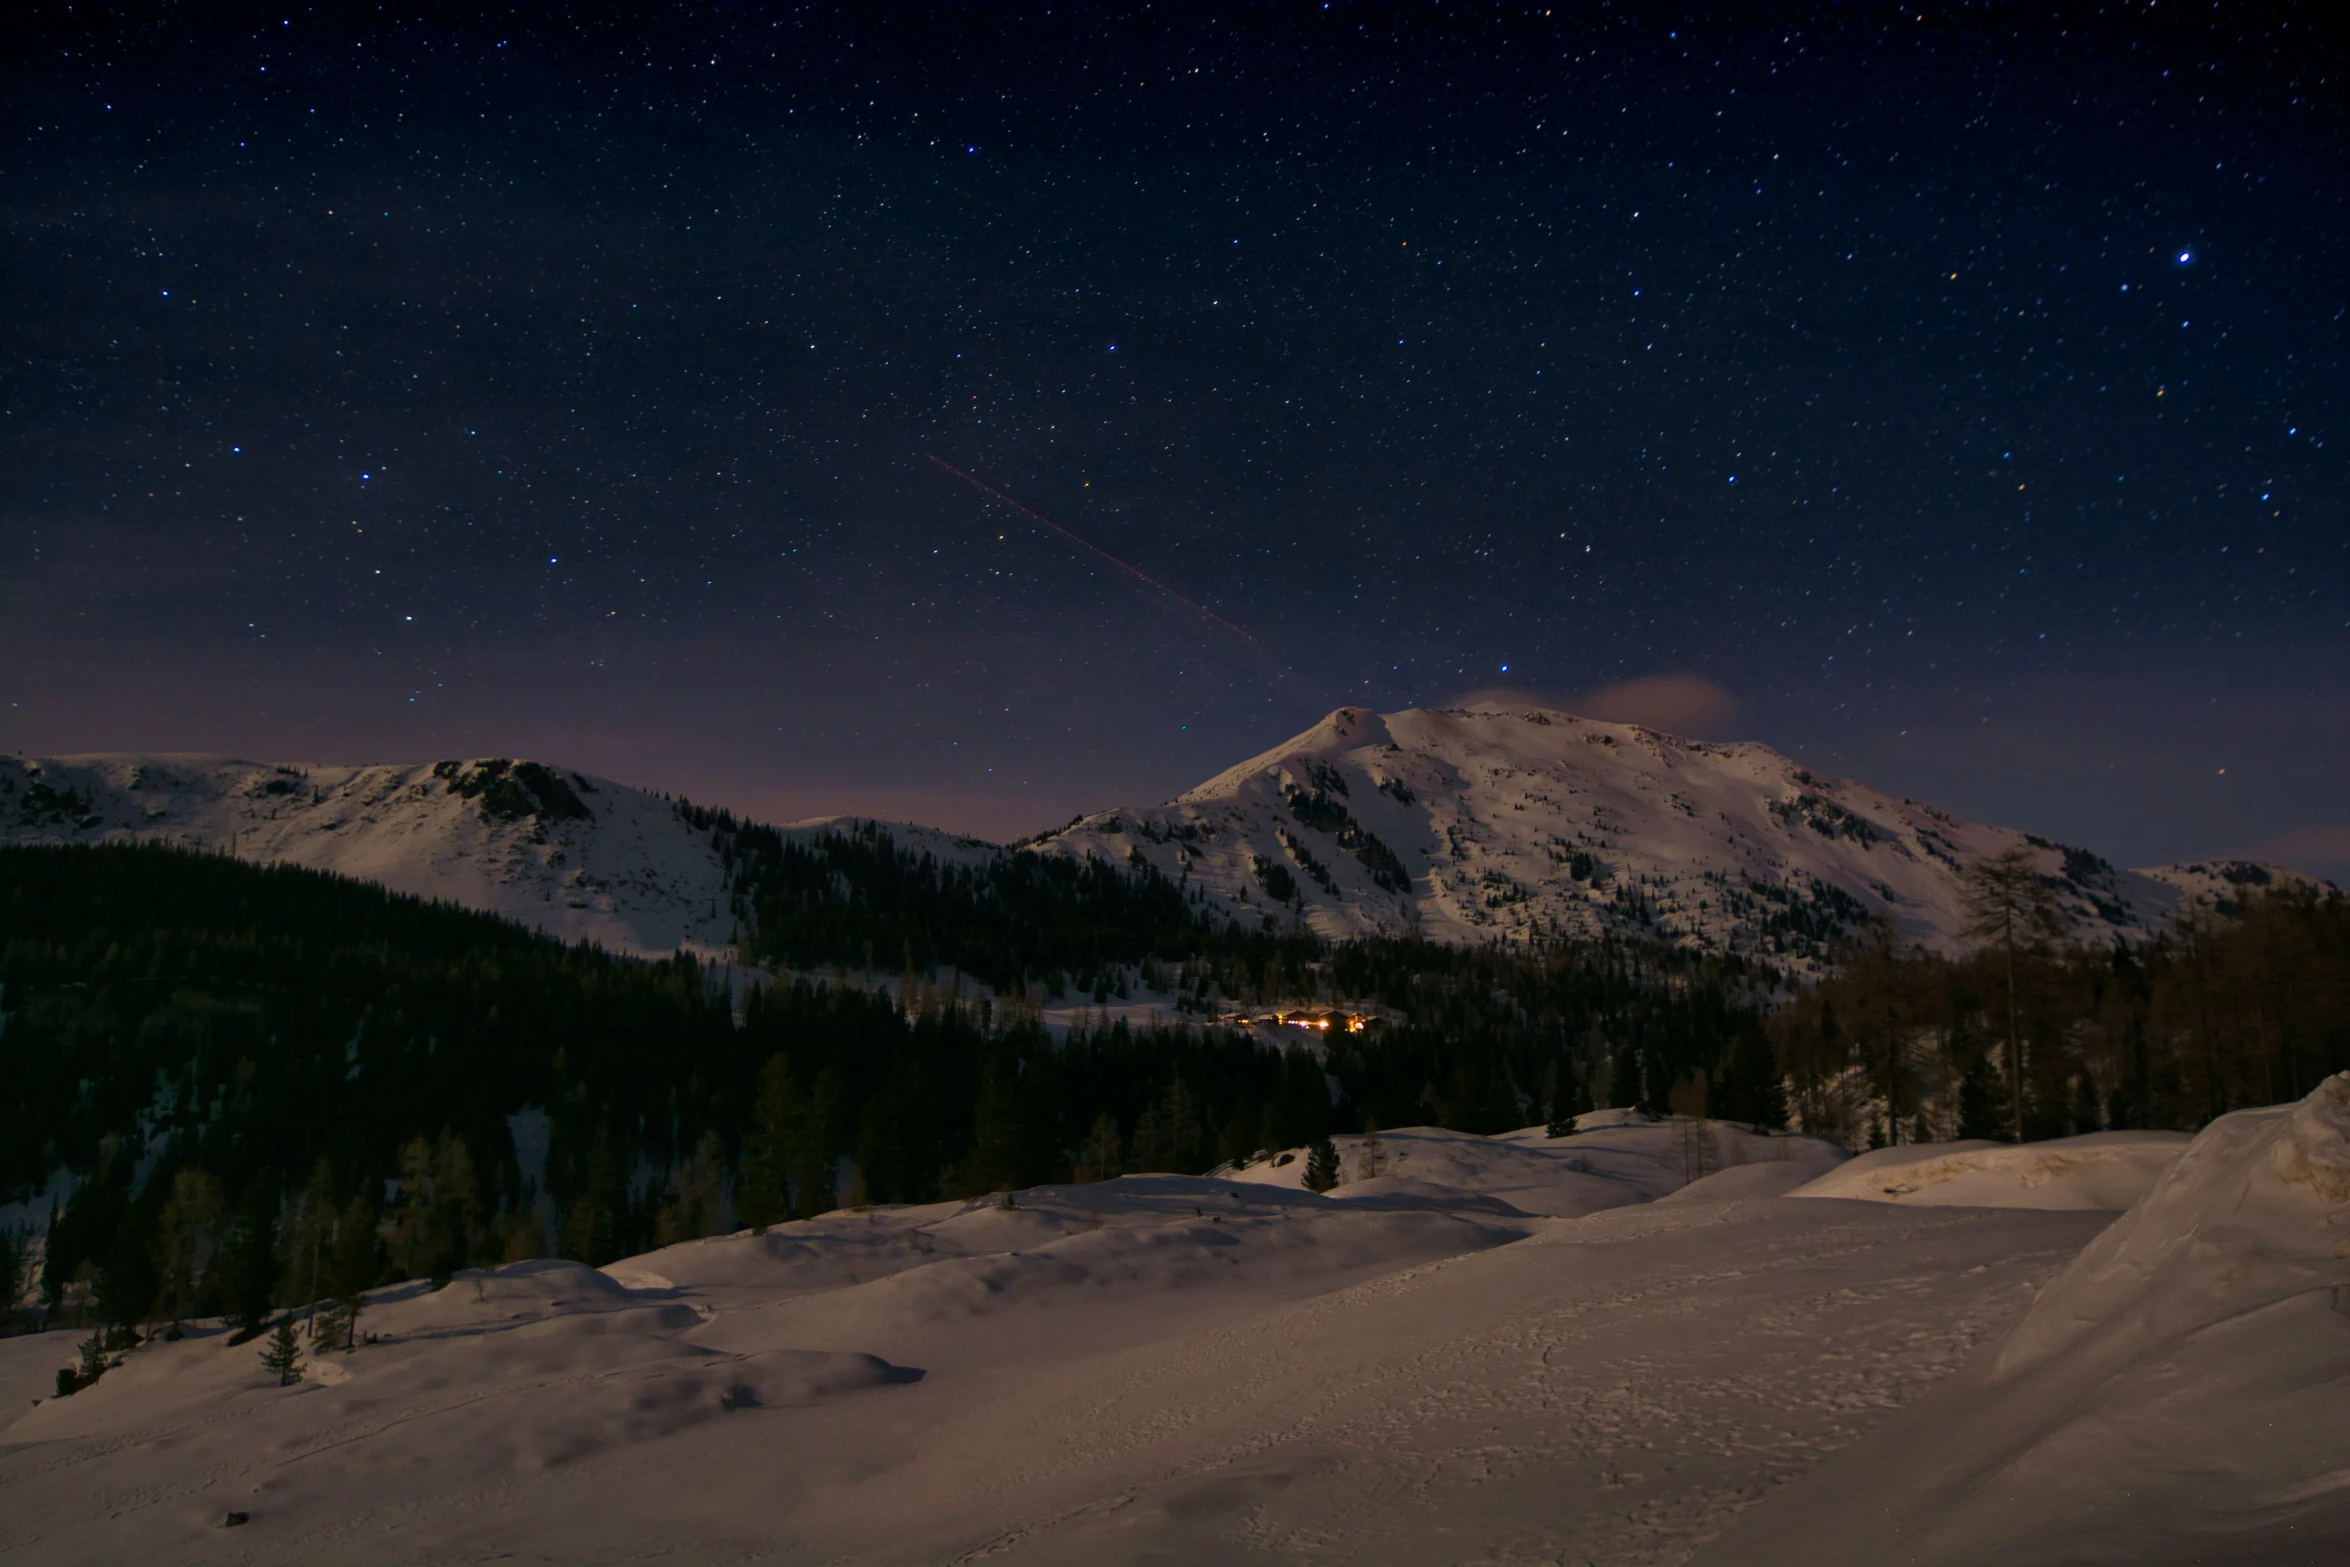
[
  {"x": 1486, "y": 824},
  {"x": 1464, "y": 825},
  {"x": 578, "y": 856}
]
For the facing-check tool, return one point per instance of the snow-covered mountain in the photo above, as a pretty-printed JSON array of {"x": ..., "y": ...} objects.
[
  {"x": 580, "y": 857},
  {"x": 1476, "y": 825},
  {"x": 575, "y": 855},
  {"x": 1467, "y": 825}
]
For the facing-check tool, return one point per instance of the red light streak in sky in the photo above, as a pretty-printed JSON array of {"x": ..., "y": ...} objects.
[{"x": 1135, "y": 572}]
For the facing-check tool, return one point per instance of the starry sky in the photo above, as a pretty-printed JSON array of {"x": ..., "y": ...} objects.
[{"x": 1951, "y": 396}]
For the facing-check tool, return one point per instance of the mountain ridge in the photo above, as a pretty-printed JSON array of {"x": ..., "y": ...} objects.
[
  {"x": 1479, "y": 824},
  {"x": 1463, "y": 825}
]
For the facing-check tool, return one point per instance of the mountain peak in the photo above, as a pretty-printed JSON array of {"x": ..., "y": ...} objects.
[
  {"x": 1472, "y": 824},
  {"x": 1515, "y": 823}
]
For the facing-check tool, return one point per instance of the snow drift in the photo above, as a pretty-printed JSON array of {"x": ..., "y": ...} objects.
[
  {"x": 2176, "y": 1394},
  {"x": 2099, "y": 1170}
]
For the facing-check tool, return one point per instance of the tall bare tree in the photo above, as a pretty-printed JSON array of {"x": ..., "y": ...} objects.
[{"x": 2010, "y": 909}]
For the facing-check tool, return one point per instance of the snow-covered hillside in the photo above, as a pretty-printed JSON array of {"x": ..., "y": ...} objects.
[
  {"x": 1519, "y": 1348},
  {"x": 1479, "y": 824},
  {"x": 575, "y": 855},
  {"x": 580, "y": 857},
  {"x": 1467, "y": 825},
  {"x": 2173, "y": 1396},
  {"x": 2108, "y": 1170}
]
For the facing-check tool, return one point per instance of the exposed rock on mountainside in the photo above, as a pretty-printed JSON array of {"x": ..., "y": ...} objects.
[
  {"x": 1466, "y": 825},
  {"x": 1477, "y": 825}
]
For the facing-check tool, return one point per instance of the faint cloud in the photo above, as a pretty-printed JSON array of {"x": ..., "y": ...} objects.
[{"x": 1680, "y": 703}]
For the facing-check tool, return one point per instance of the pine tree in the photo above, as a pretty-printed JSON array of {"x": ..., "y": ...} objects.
[
  {"x": 72, "y": 1379},
  {"x": 457, "y": 1227},
  {"x": 2009, "y": 907},
  {"x": 778, "y": 1117},
  {"x": 1624, "y": 1078},
  {"x": 697, "y": 1195},
  {"x": 1179, "y": 1118},
  {"x": 1371, "y": 1159},
  {"x": 1101, "y": 1158},
  {"x": 1148, "y": 1152},
  {"x": 126, "y": 1278},
  {"x": 353, "y": 1268},
  {"x": 815, "y": 1170},
  {"x": 1978, "y": 1104},
  {"x": 12, "y": 1276},
  {"x": 434, "y": 1227},
  {"x": 409, "y": 1234},
  {"x": 302, "y": 1242},
  {"x": 282, "y": 1355},
  {"x": 998, "y": 1134},
  {"x": 248, "y": 1263},
  {"x": 1749, "y": 1087},
  {"x": 186, "y": 1233},
  {"x": 1557, "y": 1119},
  {"x": 1322, "y": 1165}
]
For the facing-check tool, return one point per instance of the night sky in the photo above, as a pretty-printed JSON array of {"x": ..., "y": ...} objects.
[{"x": 1953, "y": 397}]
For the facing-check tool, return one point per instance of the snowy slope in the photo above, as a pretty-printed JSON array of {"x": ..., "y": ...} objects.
[
  {"x": 575, "y": 855},
  {"x": 2174, "y": 1396},
  {"x": 1485, "y": 824},
  {"x": 1156, "y": 1368},
  {"x": 2109, "y": 1170},
  {"x": 583, "y": 858},
  {"x": 1469, "y": 826},
  {"x": 2220, "y": 886},
  {"x": 1519, "y": 1348},
  {"x": 1613, "y": 1158}
]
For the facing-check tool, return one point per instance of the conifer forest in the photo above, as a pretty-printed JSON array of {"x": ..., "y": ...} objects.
[{"x": 243, "y": 1087}]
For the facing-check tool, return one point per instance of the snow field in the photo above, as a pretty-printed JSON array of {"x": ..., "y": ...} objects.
[
  {"x": 1514, "y": 1349},
  {"x": 2107, "y": 1170},
  {"x": 2173, "y": 1396}
]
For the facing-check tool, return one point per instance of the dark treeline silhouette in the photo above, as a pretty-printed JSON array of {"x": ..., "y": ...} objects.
[
  {"x": 2220, "y": 1013},
  {"x": 857, "y": 899},
  {"x": 270, "y": 1086}
]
